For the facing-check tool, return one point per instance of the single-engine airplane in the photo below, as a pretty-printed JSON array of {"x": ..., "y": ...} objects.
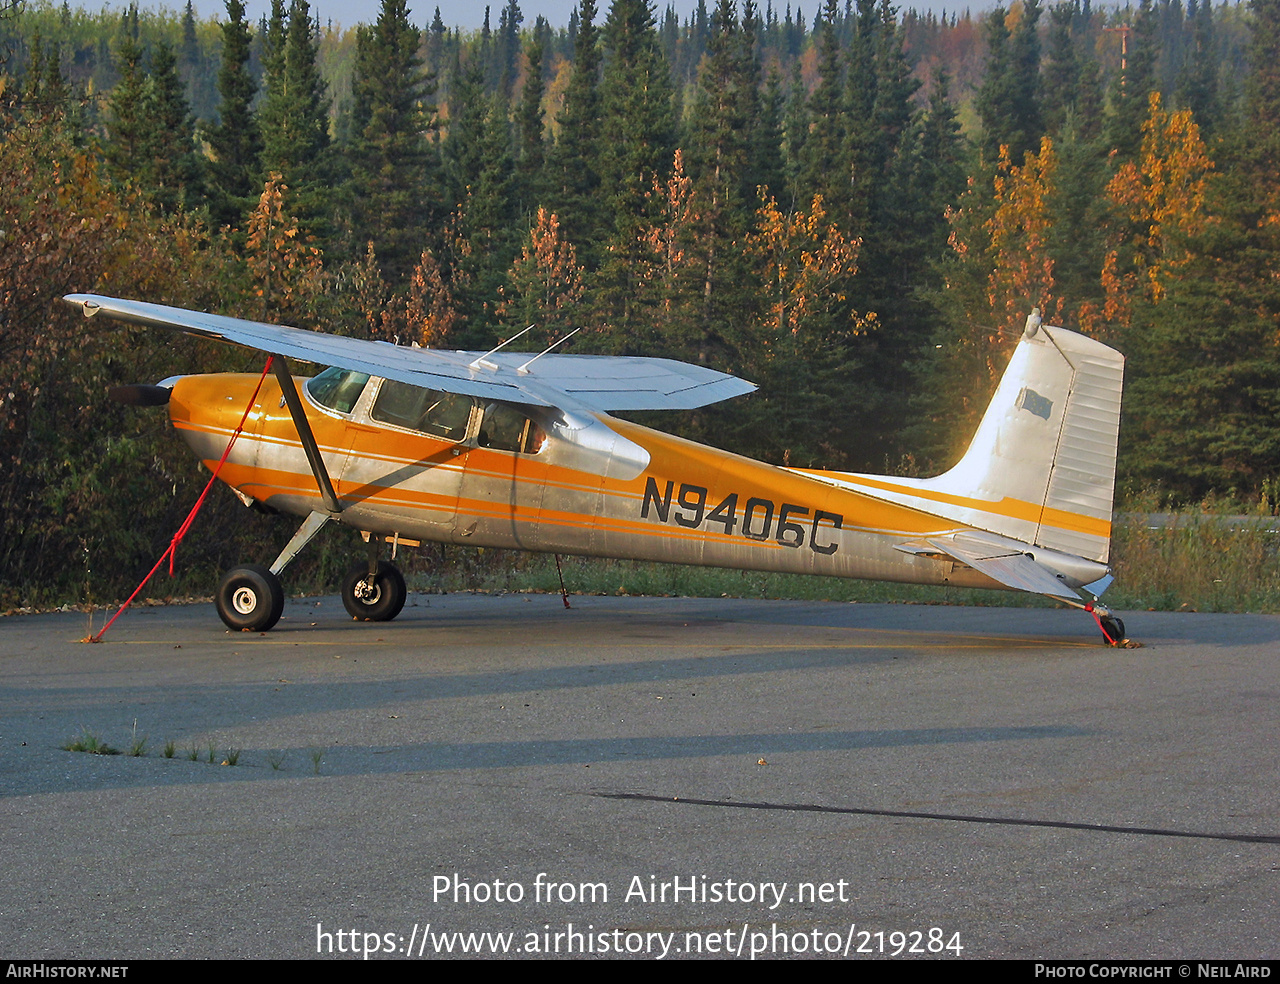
[{"x": 520, "y": 451}]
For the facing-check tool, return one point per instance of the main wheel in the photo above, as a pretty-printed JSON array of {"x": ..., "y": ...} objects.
[
  {"x": 250, "y": 597},
  {"x": 1113, "y": 630},
  {"x": 379, "y": 602}
]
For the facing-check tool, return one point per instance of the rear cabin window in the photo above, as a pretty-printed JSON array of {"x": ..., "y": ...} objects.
[
  {"x": 507, "y": 429},
  {"x": 337, "y": 389},
  {"x": 443, "y": 415}
]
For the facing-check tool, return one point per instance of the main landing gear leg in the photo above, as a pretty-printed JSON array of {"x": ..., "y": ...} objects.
[
  {"x": 374, "y": 591},
  {"x": 251, "y": 597}
]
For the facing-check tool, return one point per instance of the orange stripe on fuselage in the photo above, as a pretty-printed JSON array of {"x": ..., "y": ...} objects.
[
  {"x": 213, "y": 404},
  {"x": 1009, "y": 508}
]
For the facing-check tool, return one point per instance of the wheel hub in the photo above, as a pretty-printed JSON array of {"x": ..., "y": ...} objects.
[
  {"x": 367, "y": 592},
  {"x": 244, "y": 601}
]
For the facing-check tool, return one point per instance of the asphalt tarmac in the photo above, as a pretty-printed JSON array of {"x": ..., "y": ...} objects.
[{"x": 660, "y": 777}]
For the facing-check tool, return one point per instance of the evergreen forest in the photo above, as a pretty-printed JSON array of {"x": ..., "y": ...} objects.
[{"x": 855, "y": 206}]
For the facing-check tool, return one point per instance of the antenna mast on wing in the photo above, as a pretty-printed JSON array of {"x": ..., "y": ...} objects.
[
  {"x": 525, "y": 368},
  {"x": 481, "y": 361}
]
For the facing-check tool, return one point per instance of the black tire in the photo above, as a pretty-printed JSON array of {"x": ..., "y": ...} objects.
[
  {"x": 1113, "y": 630},
  {"x": 383, "y": 602},
  {"x": 250, "y": 597}
]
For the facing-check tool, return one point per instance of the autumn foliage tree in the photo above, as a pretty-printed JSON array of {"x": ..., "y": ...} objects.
[
  {"x": 85, "y": 483},
  {"x": 1192, "y": 299},
  {"x": 1159, "y": 200},
  {"x": 802, "y": 344},
  {"x": 545, "y": 287},
  {"x": 1021, "y": 274},
  {"x": 286, "y": 268},
  {"x": 1000, "y": 268}
]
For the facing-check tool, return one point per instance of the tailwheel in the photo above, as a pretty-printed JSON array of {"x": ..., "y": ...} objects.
[
  {"x": 376, "y": 599},
  {"x": 1112, "y": 629},
  {"x": 250, "y": 598}
]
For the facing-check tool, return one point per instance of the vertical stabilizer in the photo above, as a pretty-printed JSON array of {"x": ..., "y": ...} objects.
[
  {"x": 1042, "y": 466},
  {"x": 1045, "y": 453}
]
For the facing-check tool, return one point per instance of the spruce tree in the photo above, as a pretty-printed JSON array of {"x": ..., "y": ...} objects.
[
  {"x": 895, "y": 89},
  {"x": 638, "y": 124},
  {"x": 1008, "y": 102},
  {"x": 767, "y": 167},
  {"x": 508, "y": 49},
  {"x": 1198, "y": 82},
  {"x": 574, "y": 166},
  {"x": 235, "y": 143},
  {"x": 396, "y": 198},
  {"x": 1062, "y": 71},
  {"x": 479, "y": 170},
  {"x": 488, "y": 223},
  {"x": 637, "y": 143},
  {"x": 826, "y": 169},
  {"x": 747, "y": 66},
  {"x": 1134, "y": 85},
  {"x": 173, "y": 173},
  {"x": 863, "y": 140},
  {"x": 468, "y": 119},
  {"x": 294, "y": 115},
  {"x": 126, "y": 110},
  {"x": 719, "y": 138},
  {"x": 795, "y": 129},
  {"x": 531, "y": 167},
  {"x": 719, "y": 161}
]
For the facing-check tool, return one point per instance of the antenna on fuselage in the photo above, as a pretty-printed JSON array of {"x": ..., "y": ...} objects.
[
  {"x": 525, "y": 368},
  {"x": 481, "y": 361}
]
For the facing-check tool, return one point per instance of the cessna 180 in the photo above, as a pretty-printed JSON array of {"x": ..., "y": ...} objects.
[{"x": 520, "y": 451}]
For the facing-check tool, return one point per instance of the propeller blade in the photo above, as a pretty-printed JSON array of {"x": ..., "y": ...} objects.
[{"x": 140, "y": 395}]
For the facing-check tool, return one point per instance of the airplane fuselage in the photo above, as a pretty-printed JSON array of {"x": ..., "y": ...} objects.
[{"x": 574, "y": 484}]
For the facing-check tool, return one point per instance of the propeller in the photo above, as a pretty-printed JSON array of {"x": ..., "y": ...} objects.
[{"x": 140, "y": 395}]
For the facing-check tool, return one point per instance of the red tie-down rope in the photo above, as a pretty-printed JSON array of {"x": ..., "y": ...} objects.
[
  {"x": 1101, "y": 628},
  {"x": 191, "y": 516}
]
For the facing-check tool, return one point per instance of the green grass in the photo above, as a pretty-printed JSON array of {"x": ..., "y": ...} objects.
[
  {"x": 90, "y": 743},
  {"x": 137, "y": 746},
  {"x": 1200, "y": 561}
]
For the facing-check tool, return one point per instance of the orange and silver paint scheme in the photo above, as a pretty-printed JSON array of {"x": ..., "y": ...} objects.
[{"x": 539, "y": 465}]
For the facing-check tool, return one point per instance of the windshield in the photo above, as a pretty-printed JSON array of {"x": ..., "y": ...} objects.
[{"x": 337, "y": 389}]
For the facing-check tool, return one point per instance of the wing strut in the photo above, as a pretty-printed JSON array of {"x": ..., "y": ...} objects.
[{"x": 299, "y": 415}]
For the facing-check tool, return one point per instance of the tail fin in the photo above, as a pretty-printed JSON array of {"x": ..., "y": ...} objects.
[
  {"x": 1041, "y": 468},
  {"x": 1045, "y": 453}
]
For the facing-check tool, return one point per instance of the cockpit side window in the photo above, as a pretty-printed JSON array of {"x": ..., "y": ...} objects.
[
  {"x": 443, "y": 415},
  {"x": 507, "y": 429},
  {"x": 337, "y": 389}
]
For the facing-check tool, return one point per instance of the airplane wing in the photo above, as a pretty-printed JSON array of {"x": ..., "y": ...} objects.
[{"x": 594, "y": 383}]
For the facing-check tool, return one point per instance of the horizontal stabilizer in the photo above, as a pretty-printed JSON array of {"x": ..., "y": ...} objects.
[
  {"x": 594, "y": 383},
  {"x": 1011, "y": 566}
]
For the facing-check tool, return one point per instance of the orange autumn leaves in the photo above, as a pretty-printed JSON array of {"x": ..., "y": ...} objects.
[
  {"x": 1162, "y": 198},
  {"x": 1154, "y": 205}
]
